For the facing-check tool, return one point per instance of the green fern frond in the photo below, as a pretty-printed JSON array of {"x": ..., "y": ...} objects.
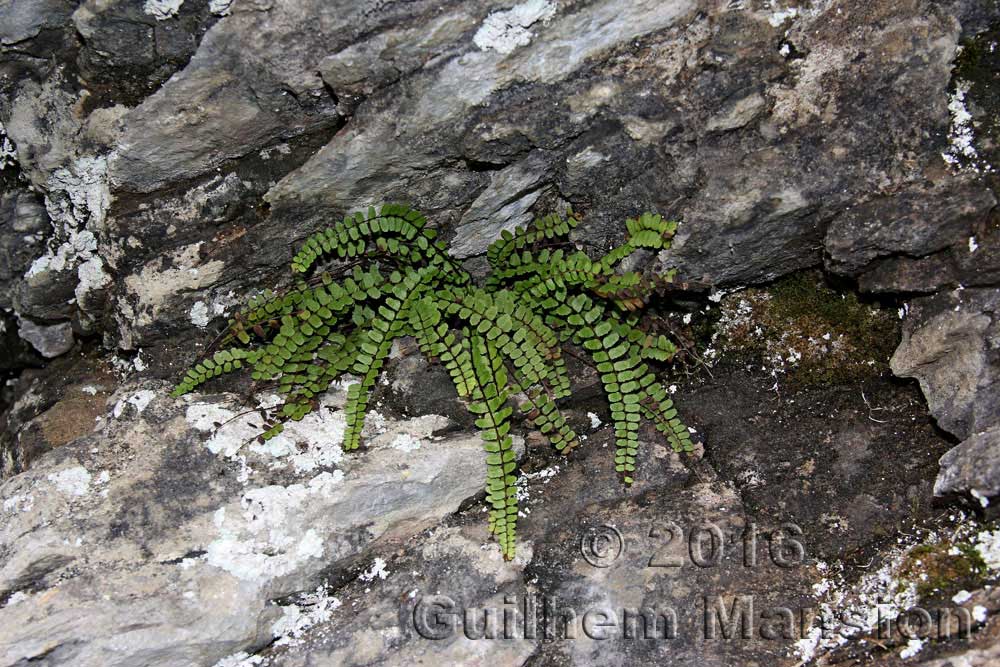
[
  {"x": 374, "y": 347},
  {"x": 224, "y": 361},
  {"x": 393, "y": 229},
  {"x": 624, "y": 376},
  {"x": 521, "y": 335},
  {"x": 647, "y": 231},
  {"x": 658, "y": 407},
  {"x": 489, "y": 397},
  {"x": 549, "y": 228},
  {"x": 437, "y": 342},
  {"x": 390, "y": 277},
  {"x": 543, "y": 414}
]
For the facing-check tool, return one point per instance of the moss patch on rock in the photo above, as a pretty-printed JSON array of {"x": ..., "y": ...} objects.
[
  {"x": 941, "y": 570},
  {"x": 807, "y": 332}
]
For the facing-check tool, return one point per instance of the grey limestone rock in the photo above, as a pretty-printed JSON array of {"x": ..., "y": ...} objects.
[{"x": 197, "y": 530}]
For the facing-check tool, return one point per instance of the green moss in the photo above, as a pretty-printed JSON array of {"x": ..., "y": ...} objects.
[
  {"x": 831, "y": 337},
  {"x": 866, "y": 333},
  {"x": 939, "y": 572}
]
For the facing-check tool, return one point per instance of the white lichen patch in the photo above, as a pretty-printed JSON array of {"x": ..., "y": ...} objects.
[
  {"x": 268, "y": 538},
  {"x": 885, "y": 594},
  {"x": 750, "y": 478},
  {"x": 504, "y": 31},
  {"x": 79, "y": 194},
  {"x": 961, "y": 150},
  {"x": 281, "y": 149},
  {"x": 375, "y": 424},
  {"x": 140, "y": 400},
  {"x": 241, "y": 659},
  {"x": 314, "y": 442},
  {"x": 8, "y": 153},
  {"x": 913, "y": 647},
  {"x": 376, "y": 571},
  {"x": 207, "y": 417},
  {"x": 162, "y": 10},
  {"x": 19, "y": 503},
  {"x": 77, "y": 202},
  {"x": 780, "y": 16},
  {"x": 382, "y": 432},
  {"x": 199, "y": 314},
  {"x": 405, "y": 442},
  {"x": 78, "y": 246},
  {"x": 308, "y": 610},
  {"x": 595, "y": 421},
  {"x": 73, "y": 481},
  {"x": 544, "y": 475},
  {"x": 16, "y": 598},
  {"x": 159, "y": 280},
  {"x": 988, "y": 546},
  {"x": 92, "y": 277},
  {"x": 523, "y": 490},
  {"x": 220, "y": 7},
  {"x": 849, "y": 611}
]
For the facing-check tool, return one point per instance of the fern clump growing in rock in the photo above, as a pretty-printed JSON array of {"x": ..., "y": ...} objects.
[{"x": 501, "y": 340}]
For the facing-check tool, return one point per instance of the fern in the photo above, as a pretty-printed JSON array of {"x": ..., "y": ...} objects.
[{"x": 501, "y": 343}]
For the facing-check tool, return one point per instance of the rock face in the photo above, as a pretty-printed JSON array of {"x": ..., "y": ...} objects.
[
  {"x": 950, "y": 345},
  {"x": 113, "y": 527},
  {"x": 914, "y": 241},
  {"x": 972, "y": 467},
  {"x": 753, "y": 126},
  {"x": 161, "y": 160},
  {"x": 137, "y": 505}
]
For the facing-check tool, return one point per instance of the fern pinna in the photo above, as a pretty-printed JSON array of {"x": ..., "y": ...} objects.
[{"x": 500, "y": 341}]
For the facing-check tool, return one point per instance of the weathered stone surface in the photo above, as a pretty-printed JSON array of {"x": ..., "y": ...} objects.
[
  {"x": 837, "y": 492},
  {"x": 288, "y": 114},
  {"x": 157, "y": 516},
  {"x": 24, "y": 19},
  {"x": 50, "y": 340},
  {"x": 813, "y": 457},
  {"x": 129, "y": 49},
  {"x": 977, "y": 657},
  {"x": 23, "y": 227},
  {"x": 253, "y": 81},
  {"x": 182, "y": 149},
  {"x": 43, "y": 119},
  {"x": 433, "y": 603},
  {"x": 950, "y": 345},
  {"x": 895, "y": 243},
  {"x": 972, "y": 467},
  {"x": 51, "y": 406}
]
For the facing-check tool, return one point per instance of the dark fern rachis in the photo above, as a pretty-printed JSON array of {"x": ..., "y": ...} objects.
[{"x": 500, "y": 341}]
